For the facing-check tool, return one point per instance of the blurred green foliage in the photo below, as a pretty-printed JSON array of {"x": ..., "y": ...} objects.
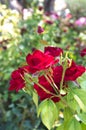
[
  {"x": 17, "y": 110},
  {"x": 77, "y": 7}
]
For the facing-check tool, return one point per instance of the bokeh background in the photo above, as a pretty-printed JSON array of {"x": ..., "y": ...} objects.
[{"x": 64, "y": 24}]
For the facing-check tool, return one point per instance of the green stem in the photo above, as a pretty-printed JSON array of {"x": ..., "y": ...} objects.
[
  {"x": 47, "y": 91},
  {"x": 23, "y": 119},
  {"x": 52, "y": 84},
  {"x": 2, "y": 110},
  {"x": 44, "y": 89},
  {"x": 62, "y": 80}
]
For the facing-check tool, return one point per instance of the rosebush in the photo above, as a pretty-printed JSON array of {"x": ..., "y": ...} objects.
[{"x": 56, "y": 84}]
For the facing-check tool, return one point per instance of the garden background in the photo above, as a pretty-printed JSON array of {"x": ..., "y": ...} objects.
[{"x": 63, "y": 26}]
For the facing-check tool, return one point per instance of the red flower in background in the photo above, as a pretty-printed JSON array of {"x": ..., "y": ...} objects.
[
  {"x": 39, "y": 61},
  {"x": 83, "y": 52},
  {"x": 40, "y": 7},
  {"x": 49, "y": 22},
  {"x": 53, "y": 51},
  {"x": 17, "y": 79},
  {"x": 40, "y": 30}
]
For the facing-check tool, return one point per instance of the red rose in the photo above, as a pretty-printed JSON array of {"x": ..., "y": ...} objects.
[
  {"x": 83, "y": 52},
  {"x": 54, "y": 51},
  {"x": 74, "y": 72},
  {"x": 40, "y": 30},
  {"x": 39, "y": 61},
  {"x": 17, "y": 79},
  {"x": 42, "y": 94},
  {"x": 71, "y": 73}
]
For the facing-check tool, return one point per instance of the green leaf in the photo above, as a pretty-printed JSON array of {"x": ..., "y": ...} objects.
[
  {"x": 35, "y": 98},
  {"x": 82, "y": 117},
  {"x": 28, "y": 78},
  {"x": 82, "y": 81},
  {"x": 60, "y": 127},
  {"x": 73, "y": 124},
  {"x": 49, "y": 113},
  {"x": 72, "y": 84},
  {"x": 60, "y": 105},
  {"x": 28, "y": 84},
  {"x": 71, "y": 102},
  {"x": 28, "y": 89},
  {"x": 83, "y": 126},
  {"x": 80, "y": 97},
  {"x": 68, "y": 113}
]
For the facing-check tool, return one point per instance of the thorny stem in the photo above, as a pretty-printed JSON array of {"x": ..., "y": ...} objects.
[
  {"x": 62, "y": 80},
  {"x": 54, "y": 83},
  {"x": 51, "y": 83},
  {"x": 64, "y": 70},
  {"x": 46, "y": 90},
  {"x": 53, "y": 95},
  {"x": 49, "y": 75}
]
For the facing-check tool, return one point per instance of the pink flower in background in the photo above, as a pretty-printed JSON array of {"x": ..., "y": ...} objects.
[
  {"x": 69, "y": 16},
  {"x": 81, "y": 21},
  {"x": 27, "y": 13},
  {"x": 83, "y": 52},
  {"x": 54, "y": 16},
  {"x": 40, "y": 30}
]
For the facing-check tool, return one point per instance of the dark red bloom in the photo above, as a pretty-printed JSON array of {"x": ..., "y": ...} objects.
[
  {"x": 74, "y": 72},
  {"x": 54, "y": 51},
  {"x": 39, "y": 61},
  {"x": 47, "y": 13},
  {"x": 40, "y": 30},
  {"x": 17, "y": 79},
  {"x": 40, "y": 7},
  {"x": 83, "y": 52},
  {"x": 42, "y": 94},
  {"x": 49, "y": 22},
  {"x": 71, "y": 74}
]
